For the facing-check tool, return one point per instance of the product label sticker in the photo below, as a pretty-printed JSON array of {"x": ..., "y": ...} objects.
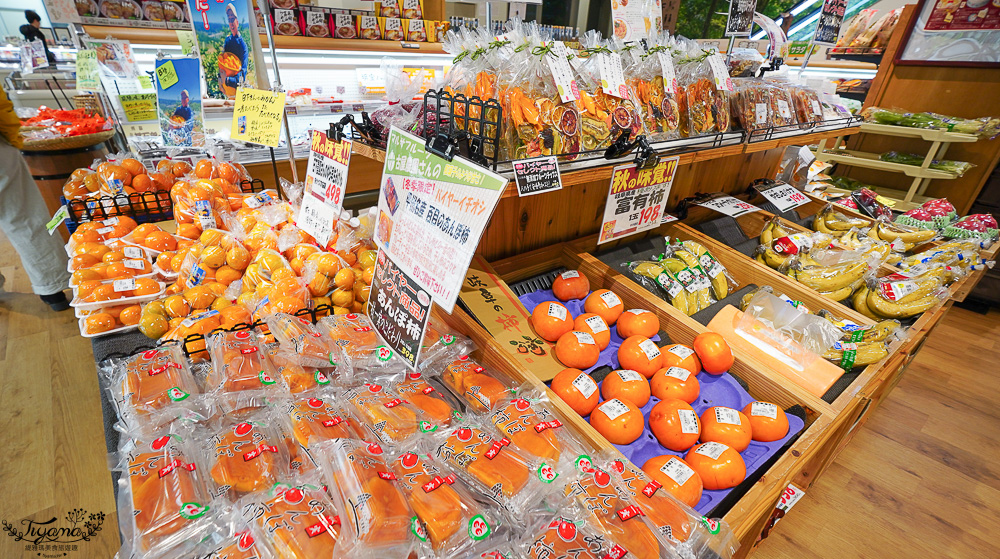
[
  {"x": 596, "y": 324},
  {"x": 612, "y": 76},
  {"x": 584, "y": 338},
  {"x": 678, "y": 373},
  {"x": 764, "y": 409},
  {"x": 720, "y": 72},
  {"x": 610, "y": 299},
  {"x": 585, "y": 384},
  {"x": 712, "y": 450},
  {"x": 569, "y": 274},
  {"x": 733, "y": 207},
  {"x": 124, "y": 285},
  {"x": 637, "y": 312},
  {"x": 134, "y": 264},
  {"x": 630, "y": 375},
  {"x": 613, "y": 408},
  {"x": 896, "y": 290},
  {"x": 728, "y": 416},
  {"x": 669, "y": 284},
  {"x": 710, "y": 265},
  {"x": 783, "y": 109},
  {"x": 689, "y": 422},
  {"x": 557, "y": 311},
  {"x": 681, "y": 351},
  {"x": 760, "y": 113},
  {"x": 677, "y": 471},
  {"x": 132, "y": 252},
  {"x": 650, "y": 349}
]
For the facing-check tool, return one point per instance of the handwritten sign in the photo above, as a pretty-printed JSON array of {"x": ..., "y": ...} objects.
[
  {"x": 784, "y": 196},
  {"x": 166, "y": 74},
  {"x": 87, "y": 77},
  {"x": 432, "y": 213},
  {"x": 636, "y": 199},
  {"x": 139, "y": 106},
  {"x": 728, "y": 205},
  {"x": 316, "y": 217},
  {"x": 399, "y": 308},
  {"x": 326, "y": 173},
  {"x": 187, "y": 41},
  {"x": 257, "y": 116},
  {"x": 538, "y": 175}
]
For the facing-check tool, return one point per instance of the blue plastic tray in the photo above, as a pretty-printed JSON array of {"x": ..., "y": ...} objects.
[{"x": 722, "y": 390}]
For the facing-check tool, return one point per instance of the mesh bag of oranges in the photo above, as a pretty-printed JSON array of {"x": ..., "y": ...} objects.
[
  {"x": 295, "y": 522},
  {"x": 385, "y": 415},
  {"x": 246, "y": 455},
  {"x": 686, "y": 531},
  {"x": 153, "y": 388},
  {"x": 378, "y": 516},
  {"x": 454, "y": 523},
  {"x": 509, "y": 476},
  {"x": 162, "y": 495}
]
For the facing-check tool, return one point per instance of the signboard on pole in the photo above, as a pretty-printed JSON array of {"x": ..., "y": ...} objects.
[
  {"x": 740, "y": 18},
  {"x": 831, "y": 17},
  {"x": 636, "y": 199}
]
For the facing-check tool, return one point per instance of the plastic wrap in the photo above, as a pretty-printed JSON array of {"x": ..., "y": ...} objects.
[
  {"x": 904, "y": 294},
  {"x": 793, "y": 337},
  {"x": 153, "y": 388},
  {"x": 296, "y": 522},
  {"x": 246, "y": 456},
  {"x": 480, "y": 389},
  {"x": 387, "y": 417}
]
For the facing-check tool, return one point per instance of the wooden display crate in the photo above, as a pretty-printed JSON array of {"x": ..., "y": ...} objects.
[{"x": 749, "y": 515}]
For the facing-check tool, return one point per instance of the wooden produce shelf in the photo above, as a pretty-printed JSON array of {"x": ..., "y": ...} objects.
[
  {"x": 922, "y": 133},
  {"x": 169, "y": 37},
  {"x": 871, "y": 161},
  {"x": 808, "y": 138}
]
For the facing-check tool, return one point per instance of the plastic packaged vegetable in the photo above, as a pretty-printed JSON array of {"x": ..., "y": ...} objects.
[
  {"x": 958, "y": 168},
  {"x": 976, "y": 226}
]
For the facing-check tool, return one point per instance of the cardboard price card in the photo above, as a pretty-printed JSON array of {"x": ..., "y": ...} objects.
[
  {"x": 399, "y": 308},
  {"x": 636, "y": 199},
  {"x": 728, "y": 205},
  {"x": 316, "y": 217},
  {"x": 432, "y": 213},
  {"x": 257, "y": 116},
  {"x": 784, "y": 196},
  {"x": 139, "y": 106},
  {"x": 326, "y": 173},
  {"x": 538, "y": 175}
]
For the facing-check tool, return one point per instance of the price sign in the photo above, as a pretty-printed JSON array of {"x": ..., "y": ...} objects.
[
  {"x": 257, "y": 116},
  {"x": 636, "y": 199},
  {"x": 399, "y": 308},
  {"x": 326, "y": 173},
  {"x": 538, "y": 175},
  {"x": 316, "y": 217},
  {"x": 831, "y": 17},
  {"x": 139, "y": 106},
  {"x": 784, "y": 196},
  {"x": 87, "y": 78},
  {"x": 187, "y": 41},
  {"x": 728, "y": 205}
]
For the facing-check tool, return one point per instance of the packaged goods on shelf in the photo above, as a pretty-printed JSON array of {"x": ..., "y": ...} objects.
[
  {"x": 958, "y": 168},
  {"x": 985, "y": 127}
]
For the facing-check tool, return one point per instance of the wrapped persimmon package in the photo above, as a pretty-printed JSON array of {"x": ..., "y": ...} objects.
[
  {"x": 385, "y": 415},
  {"x": 417, "y": 389},
  {"x": 689, "y": 533},
  {"x": 247, "y": 456},
  {"x": 233, "y": 538},
  {"x": 317, "y": 418},
  {"x": 562, "y": 529},
  {"x": 454, "y": 523},
  {"x": 302, "y": 379},
  {"x": 303, "y": 342},
  {"x": 296, "y": 521},
  {"x": 531, "y": 424},
  {"x": 356, "y": 335},
  {"x": 153, "y": 388},
  {"x": 242, "y": 374},
  {"x": 442, "y": 345},
  {"x": 377, "y": 515},
  {"x": 480, "y": 389},
  {"x": 162, "y": 494},
  {"x": 504, "y": 474}
]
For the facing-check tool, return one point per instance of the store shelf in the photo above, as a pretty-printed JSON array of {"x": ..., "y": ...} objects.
[
  {"x": 922, "y": 133},
  {"x": 892, "y": 194},
  {"x": 871, "y": 161},
  {"x": 801, "y": 138},
  {"x": 169, "y": 37}
]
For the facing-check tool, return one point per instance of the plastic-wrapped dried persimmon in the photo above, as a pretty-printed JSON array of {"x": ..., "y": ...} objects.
[
  {"x": 239, "y": 362},
  {"x": 569, "y": 537},
  {"x": 150, "y": 384},
  {"x": 619, "y": 518},
  {"x": 247, "y": 456},
  {"x": 354, "y": 333},
  {"x": 297, "y": 522},
  {"x": 299, "y": 338},
  {"x": 319, "y": 419},
  {"x": 415, "y": 389},
  {"x": 298, "y": 378},
  {"x": 469, "y": 380},
  {"x": 387, "y": 416}
]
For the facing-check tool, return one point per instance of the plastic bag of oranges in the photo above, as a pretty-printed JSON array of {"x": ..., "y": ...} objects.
[
  {"x": 296, "y": 522},
  {"x": 246, "y": 456},
  {"x": 378, "y": 515},
  {"x": 455, "y": 524},
  {"x": 385, "y": 415},
  {"x": 331, "y": 280},
  {"x": 163, "y": 496},
  {"x": 302, "y": 341},
  {"x": 111, "y": 263},
  {"x": 217, "y": 255},
  {"x": 678, "y": 524},
  {"x": 153, "y": 388}
]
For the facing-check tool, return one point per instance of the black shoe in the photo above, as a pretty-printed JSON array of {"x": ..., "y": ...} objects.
[{"x": 56, "y": 301}]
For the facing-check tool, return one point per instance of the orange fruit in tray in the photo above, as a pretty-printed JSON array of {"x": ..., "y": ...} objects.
[
  {"x": 577, "y": 350},
  {"x": 618, "y": 421},
  {"x": 675, "y": 382},
  {"x": 126, "y": 223},
  {"x": 140, "y": 233},
  {"x": 180, "y": 168},
  {"x": 85, "y": 236},
  {"x": 674, "y": 424},
  {"x": 719, "y": 466},
  {"x": 551, "y": 320},
  {"x": 570, "y": 284},
  {"x": 113, "y": 256},
  {"x": 727, "y": 426},
  {"x": 99, "y": 322},
  {"x": 130, "y": 315},
  {"x": 637, "y": 322},
  {"x": 674, "y": 475},
  {"x": 145, "y": 286},
  {"x": 626, "y": 385},
  {"x": 714, "y": 353},
  {"x": 86, "y": 274},
  {"x": 203, "y": 169},
  {"x": 160, "y": 241},
  {"x": 105, "y": 292},
  {"x": 81, "y": 261},
  {"x": 84, "y": 289},
  {"x": 164, "y": 261},
  {"x": 577, "y": 389},
  {"x": 641, "y": 354},
  {"x": 606, "y": 304},
  {"x": 680, "y": 355},
  {"x": 768, "y": 422},
  {"x": 595, "y": 326},
  {"x": 188, "y": 230}
]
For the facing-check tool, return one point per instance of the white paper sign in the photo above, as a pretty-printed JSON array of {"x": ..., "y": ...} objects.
[
  {"x": 326, "y": 173},
  {"x": 784, "y": 197},
  {"x": 729, "y": 206},
  {"x": 316, "y": 217}
]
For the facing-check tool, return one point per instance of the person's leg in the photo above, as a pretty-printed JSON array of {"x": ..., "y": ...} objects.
[{"x": 23, "y": 216}]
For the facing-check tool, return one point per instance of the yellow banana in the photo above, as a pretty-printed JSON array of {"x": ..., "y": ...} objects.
[
  {"x": 860, "y": 303},
  {"x": 867, "y": 353},
  {"x": 886, "y": 308},
  {"x": 888, "y": 233},
  {"x": 765, "y": 236},
  {"x": 831, "y": 278},
  {"x": 720, "y": 287}
]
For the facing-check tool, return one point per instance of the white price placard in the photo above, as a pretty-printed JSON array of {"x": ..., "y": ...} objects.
[
  {"x": 729, "y": 206},
  {"x": 784, "y": 197},
  {"x": 316, "y": 218}
]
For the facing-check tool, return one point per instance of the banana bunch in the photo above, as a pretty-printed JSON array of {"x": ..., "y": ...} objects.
[
  {"x": 864, "y": 354},
  {"x": 765, "y": 252},
  {"x": 853, "y": 333},
  {"x": 834, "y": 223},
  {"x": 836, "y": 282},
  {"x": 911, "y": 296},
  {"x": 715, "y": 270},
  {"x": 953, "y": 255},
  {"x": 902, "y": 238},
  {"x": 661, "y": 274},
  {"x": 689, "y": 273}
]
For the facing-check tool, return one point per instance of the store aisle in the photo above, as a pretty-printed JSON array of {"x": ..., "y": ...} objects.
[
  {"x": 921, "y": 478},
  {"x": 918, "y": 479}
]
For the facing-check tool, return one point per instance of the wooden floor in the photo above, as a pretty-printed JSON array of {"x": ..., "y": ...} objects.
[{"x": 921, "y": 478}]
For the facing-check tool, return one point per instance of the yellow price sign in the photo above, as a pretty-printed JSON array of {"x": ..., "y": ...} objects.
[
  {"x": 257, "y": 116},
  {"x": 139, "y": 106},
  {"x": 166, "y": 75},
  {"x": 187, "y": 41}
]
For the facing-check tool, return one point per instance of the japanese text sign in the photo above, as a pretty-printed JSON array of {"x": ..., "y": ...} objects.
[
  {"x": 728, "y": 205},
  {"x": 87, "y": 78},
  {"x": 740, "y": 17},
  {"x": 326, "y": 173},
  {"x": 257, "y": 116},
  {"x": 538, "y": 175},
  {"x": 784, "y": 196},
  {"x": 139, "y": 106},
  {"x": 831, "y": 17},
  {"x": 636, "y": 199},
  {"x": 432, "y": 213},
  {"x": 399, "y": 308}
]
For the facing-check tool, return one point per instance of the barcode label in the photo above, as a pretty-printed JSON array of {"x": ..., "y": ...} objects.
[
  {"x": 677, "y": 471},
  {"x": 728, "y": 416},
  {"x": 712, "y": 449},
  {"x": 557, "y": 311},
  {"x": 678, "y": 373},
  {"x": 596, "y": 324},
  {"x": 689, "y": 422},
  {"x": 630, "y": 375},
  {"x": 585, "y": 384},
  {"x": 614, "y": 408}
]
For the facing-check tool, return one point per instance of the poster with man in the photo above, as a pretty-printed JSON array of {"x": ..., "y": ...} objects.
[
  {"x": 224, "y": 35},
  {"x": 178, "y": 100}
]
